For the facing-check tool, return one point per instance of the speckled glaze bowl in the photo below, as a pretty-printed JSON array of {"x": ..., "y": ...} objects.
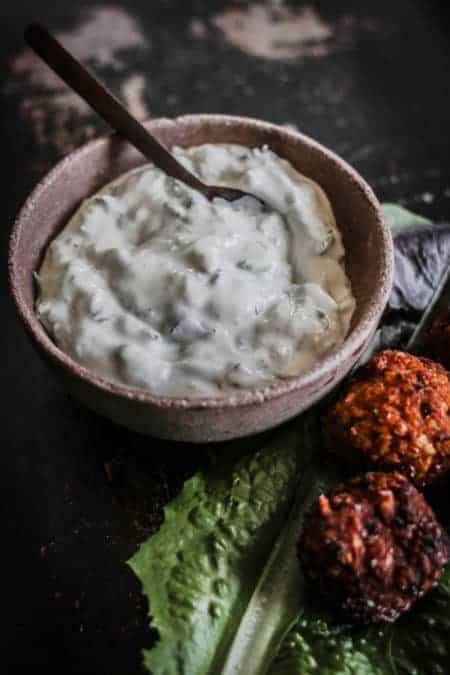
[{"x": 369, "y": 264}]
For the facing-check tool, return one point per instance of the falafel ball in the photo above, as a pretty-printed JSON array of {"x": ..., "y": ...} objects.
[
  {"x": 373, "y": 546},
  {"x": 395, "y": 415},
  {"x": 438, "y": 339}
]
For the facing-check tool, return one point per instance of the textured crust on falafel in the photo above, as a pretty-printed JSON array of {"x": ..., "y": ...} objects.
[
  {"x": 396, "y": 415},
  {"x": 373, "y": 546}
]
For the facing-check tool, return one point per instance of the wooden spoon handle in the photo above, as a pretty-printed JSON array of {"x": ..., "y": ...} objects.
[{"x": 74, "y": 74}]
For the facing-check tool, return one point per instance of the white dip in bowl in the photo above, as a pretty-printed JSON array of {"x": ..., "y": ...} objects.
[{"x": 153, "y": 286}]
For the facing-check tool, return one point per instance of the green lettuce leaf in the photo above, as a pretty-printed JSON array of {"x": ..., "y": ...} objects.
[
  {"x": 399, "y": 218},
  {"x": 417, "y": 644},
  {"x": 420, "y": 641},
  {"x": 280, "y": 590},
  {"x": 200, "y": 570},
  {"x": 317, "y": 646}
]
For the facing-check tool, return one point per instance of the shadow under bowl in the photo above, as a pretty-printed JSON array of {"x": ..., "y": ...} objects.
[{"x": 369, "y": 265}]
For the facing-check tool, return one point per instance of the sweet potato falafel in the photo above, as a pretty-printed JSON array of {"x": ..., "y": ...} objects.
[
  {"x": 373, "y": 546},
  {"x": 395, "y": 415}
]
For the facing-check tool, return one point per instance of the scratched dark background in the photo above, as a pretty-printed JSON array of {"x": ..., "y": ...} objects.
[{"x": 368, "y": 79}]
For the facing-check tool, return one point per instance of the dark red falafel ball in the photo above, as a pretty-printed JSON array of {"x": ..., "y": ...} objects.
[
  {"x": 373, "y": 546},
  {"x": 396, "y": 415}
]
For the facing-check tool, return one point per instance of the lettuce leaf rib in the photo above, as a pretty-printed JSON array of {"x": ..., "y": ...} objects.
[{"x": 280, "y": 590}]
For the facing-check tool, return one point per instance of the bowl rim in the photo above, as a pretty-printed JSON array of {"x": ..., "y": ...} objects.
[{"x": 245, "y": 397}]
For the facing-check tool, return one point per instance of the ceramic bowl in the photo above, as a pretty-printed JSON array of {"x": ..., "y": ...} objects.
[{"x": 369, "y": 264}]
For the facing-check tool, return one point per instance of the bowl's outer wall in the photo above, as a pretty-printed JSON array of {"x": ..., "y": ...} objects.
[{"x": 368, "y": 262}]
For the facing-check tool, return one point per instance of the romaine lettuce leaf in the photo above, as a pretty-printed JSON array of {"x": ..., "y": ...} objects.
[
  {"x": 317, "y": 646},
  {"x": 417, "y": 644},
  {"x": 399, "y": 218},
  {"x": 280, "y": 589},
  {"x": 200, "y": 570}
]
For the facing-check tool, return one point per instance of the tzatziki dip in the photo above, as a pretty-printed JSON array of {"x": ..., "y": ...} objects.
[{"x": 154, "y": 287}]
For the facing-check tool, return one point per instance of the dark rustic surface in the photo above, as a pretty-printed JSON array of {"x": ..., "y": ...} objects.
[{"x": 370, "y": 80}]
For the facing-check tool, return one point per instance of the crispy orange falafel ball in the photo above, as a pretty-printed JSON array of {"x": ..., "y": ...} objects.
[
  {"x": 373, "y": 547},
  {"x": 396, "y": 415}
]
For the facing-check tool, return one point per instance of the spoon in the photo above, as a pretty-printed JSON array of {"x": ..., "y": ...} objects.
[{"x": 76, "y": 76}]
